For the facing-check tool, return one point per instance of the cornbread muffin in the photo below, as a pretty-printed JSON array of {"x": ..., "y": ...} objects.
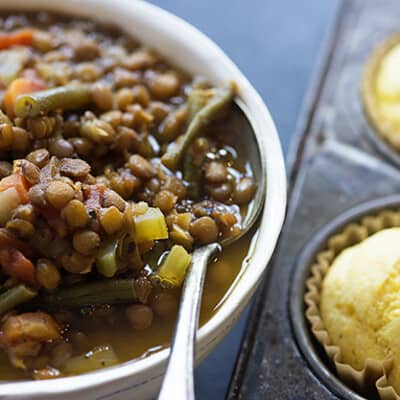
[
  {"x": 360, "y": 302},
  {"x": 381, "y": 91},
  {"x": 388, "y": 86}
]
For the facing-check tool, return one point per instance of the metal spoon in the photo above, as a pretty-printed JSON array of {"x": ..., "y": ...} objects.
[{"x": 178, "y": 383}]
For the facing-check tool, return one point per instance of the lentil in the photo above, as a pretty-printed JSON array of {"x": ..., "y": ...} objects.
[
  {"x": 47, "y": 274},
  {"x": 244, "y": 191},
  {"x": 74, "y": 168},
  {"x": 39, "y": 157},
  {"x": 204, "y": 229},
  {"x": 30, "y": 171},
  {"x": 165, "y": 201},
  {"x": 5, "y": 168},
  {"x": 216, "y": 172},
  {"x": 86, "y": 242},
  {"x": 140, "y": 167},
  {"x": 75, "y": 214},
  {"x": 59, "y": 193},
  {"x": 164, "y": 304},
  {"x": 164, "y": 86},
  {"x": 111, "y": 219},
  {"x": 139, "y": 316},
  {"x": 60, "y": 148}
]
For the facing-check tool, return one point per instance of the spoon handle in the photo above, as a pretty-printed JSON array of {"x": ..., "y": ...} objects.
[{"x": 178, "y": 380}]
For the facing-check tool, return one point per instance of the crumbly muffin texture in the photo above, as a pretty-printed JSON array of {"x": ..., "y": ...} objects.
[
  {"x": 360, "y": 302},
  {"x": 388, "y": 87}
]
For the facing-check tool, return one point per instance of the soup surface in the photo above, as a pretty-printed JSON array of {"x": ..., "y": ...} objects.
[{"x": 114, "y": 167}]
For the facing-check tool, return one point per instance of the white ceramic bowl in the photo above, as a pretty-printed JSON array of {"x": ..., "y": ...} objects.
[{"x": 194, "y": 52}]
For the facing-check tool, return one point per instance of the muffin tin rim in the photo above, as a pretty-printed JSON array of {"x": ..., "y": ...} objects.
[{"x": 300, "y": 273}]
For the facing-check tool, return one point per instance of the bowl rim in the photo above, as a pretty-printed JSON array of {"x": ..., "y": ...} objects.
[{"x": 274, "y": 208}]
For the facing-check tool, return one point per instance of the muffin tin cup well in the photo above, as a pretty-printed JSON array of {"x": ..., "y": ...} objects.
[
  {"x": 379, "y": 135},
  {"x": 380, "y": 144},
  {"x": 378, "y": 141},
  {"x": 311, "y": 349}
]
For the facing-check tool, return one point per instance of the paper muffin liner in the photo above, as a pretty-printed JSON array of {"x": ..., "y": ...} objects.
[
  {"x": 381, "y": 127},
  {"x": 372, "y": 380}
]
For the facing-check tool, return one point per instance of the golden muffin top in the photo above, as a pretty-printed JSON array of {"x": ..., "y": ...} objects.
[
  {"x": 360, "y": 302},
  {"x": 381, "y": 90}
]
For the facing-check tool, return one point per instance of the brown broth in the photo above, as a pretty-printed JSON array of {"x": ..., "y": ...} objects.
[{"x": 129, "y": 344}]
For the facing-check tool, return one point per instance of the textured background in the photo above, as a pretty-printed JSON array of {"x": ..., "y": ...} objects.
[{"x": 276, "y": 44}]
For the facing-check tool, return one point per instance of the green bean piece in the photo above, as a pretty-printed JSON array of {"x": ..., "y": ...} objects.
[
  {"x": 64, "y": 97},
  {"x": 193, "y": 175},
  {"x": 204, "y": 116},
  {"x": 111, "y": 291},
  {"x": 106, "y": 260},
  {"x": 197, "y": 99},
  {"x": 15, "y": 296}
]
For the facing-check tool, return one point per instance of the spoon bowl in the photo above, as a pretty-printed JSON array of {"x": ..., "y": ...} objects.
[
  {"x": 178, "y": 381},
  {"x": 250, "y": 149}
]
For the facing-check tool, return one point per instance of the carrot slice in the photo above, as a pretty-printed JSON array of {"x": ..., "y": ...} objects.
[
  {"x": 22, "y": 37},
  {"x": 15, "y": 264},
  {"x": 7, "y": 240},
  {"x": 18, "y": 182},
  {"x": 17, "y": 87}
]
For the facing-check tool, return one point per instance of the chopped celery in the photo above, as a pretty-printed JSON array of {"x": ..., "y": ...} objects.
[
  {"x": 150, "y": 226},
  {"x": 9, "y": 200},
  {"x": 106, "y": 260},
  {"x": 197, "y": 99},
  {"x": 11, "y": 63},
  {"x": 184, "y": 220},
  {"x": 181, "y": 236},
  {"x": 173, "y": 269},
  {"x": 99, "y": 357}
]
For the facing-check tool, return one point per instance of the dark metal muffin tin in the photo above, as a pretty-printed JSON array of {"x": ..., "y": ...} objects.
[
  {"x": 310, "y": 349},
  {"x": 334, "y": 165},
  {"x": 381, "y": 145}
]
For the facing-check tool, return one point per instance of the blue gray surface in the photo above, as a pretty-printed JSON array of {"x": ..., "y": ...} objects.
[{"x": 276, "y": 44}]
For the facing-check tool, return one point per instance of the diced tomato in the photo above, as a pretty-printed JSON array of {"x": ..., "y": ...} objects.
[
  {"x": 32, "y": 75},
  {"x": 93, "y": 195},
  {"x": 50, "y": 213},
  {"x": 7, "y": 240},
  {"x": 15, "y": 264},
  {"x": 18, "y": 182},
  {"x": 17, "y": 87},
  {"x": 52, "y": 216},
  {"x": 22, "y": 37}
]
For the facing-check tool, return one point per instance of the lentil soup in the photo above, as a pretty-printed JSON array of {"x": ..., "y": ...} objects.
[{"x": 114, "y": 166}]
